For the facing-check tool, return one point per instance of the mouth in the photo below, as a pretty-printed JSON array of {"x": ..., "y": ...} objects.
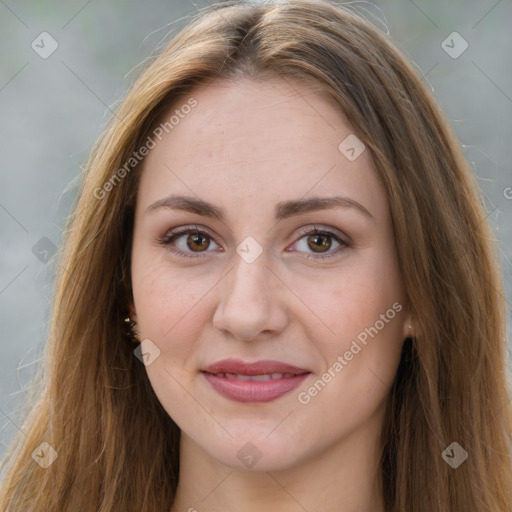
[
  {"x": 260, "y": 381},
  {"x": 258, "y": 378}
]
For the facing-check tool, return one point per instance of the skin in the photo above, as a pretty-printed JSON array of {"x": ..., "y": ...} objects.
[{"x": 246, "y": 147}]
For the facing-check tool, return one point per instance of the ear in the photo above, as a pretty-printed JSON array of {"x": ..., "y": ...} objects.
[
  {"x": 408, "y": 326},
  {"x": 131, "y": 311}
]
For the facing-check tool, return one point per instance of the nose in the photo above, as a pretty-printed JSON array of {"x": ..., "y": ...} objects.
[{"x": 251, "y": 301}]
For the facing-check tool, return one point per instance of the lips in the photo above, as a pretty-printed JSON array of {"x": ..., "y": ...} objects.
[
  {"x": 236, "y": 366},
  {"x": 259, "y": 381}
]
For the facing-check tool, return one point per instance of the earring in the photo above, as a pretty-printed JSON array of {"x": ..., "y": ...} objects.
[{"x": 131, "y": 332}]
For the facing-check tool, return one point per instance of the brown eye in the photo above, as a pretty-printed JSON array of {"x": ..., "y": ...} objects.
[
  {"x": 197, "y": 241},
  {"x": 319, "y": 243},
  {"x": 187, "y": 242}
]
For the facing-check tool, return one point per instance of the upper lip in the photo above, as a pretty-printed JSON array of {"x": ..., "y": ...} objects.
[{"x": 255, "y": 368}]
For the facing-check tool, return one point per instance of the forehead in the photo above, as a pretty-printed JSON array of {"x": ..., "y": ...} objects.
[{"x": 264, "y": 141}]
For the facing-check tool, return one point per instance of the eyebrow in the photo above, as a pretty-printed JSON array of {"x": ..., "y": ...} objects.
[{"x": 283, "y": 209}]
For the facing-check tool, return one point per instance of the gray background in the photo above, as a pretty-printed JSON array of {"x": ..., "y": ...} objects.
[{"x": 53, "y": 109}]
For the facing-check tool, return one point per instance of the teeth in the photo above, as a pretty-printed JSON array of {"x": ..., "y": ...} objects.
[
  {"x": 267, "y": 376},
  {"x": 236, "y": 376},
  {"x": 261, "y": 377}
]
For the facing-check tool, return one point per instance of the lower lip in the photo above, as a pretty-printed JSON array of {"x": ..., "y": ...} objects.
[{"x": 252, "y": 390}]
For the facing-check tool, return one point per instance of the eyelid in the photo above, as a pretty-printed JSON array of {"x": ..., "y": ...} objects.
[
  {"x": 343, "y": 241},
  {"x": 185, "y": 230},
  {"x": 175, "y": 233},
  {"x": 336, "y": 233}
]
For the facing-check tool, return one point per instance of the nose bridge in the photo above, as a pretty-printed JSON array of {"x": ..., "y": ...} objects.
[
  {"x": 248, "y": 303},
  {"x": 249, "y": 276}
]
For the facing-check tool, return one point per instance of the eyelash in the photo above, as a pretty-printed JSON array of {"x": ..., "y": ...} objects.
[{"x": 172, "y": 235}]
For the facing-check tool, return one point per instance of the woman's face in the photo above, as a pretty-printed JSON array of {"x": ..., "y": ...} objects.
[{"x": 252, "y": 170}]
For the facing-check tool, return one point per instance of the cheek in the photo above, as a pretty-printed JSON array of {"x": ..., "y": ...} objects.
[
  {"x": 171, "y": 308},
  {"x": 363, "y": 308},
  {"x": 360, "y": 356},
  {"x": 353, "y": 298},
  {"x": 171, "y": 314},
  {"x": 161, "y": 294}
]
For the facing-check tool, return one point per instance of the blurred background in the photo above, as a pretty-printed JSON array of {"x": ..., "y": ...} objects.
[{"x": 65, "y": 65}]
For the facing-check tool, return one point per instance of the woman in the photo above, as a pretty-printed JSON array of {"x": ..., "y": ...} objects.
[{"x": 285, "y": 220}]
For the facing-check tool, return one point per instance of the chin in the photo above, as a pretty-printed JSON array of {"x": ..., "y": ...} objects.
[{"x": 256, "y": 453}]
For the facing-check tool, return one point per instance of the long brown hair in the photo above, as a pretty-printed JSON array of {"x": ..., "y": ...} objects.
[{"x": 117, "y": 447}]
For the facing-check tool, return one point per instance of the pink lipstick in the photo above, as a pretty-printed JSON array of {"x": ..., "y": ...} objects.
[{"x": 260, "y": 381}]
